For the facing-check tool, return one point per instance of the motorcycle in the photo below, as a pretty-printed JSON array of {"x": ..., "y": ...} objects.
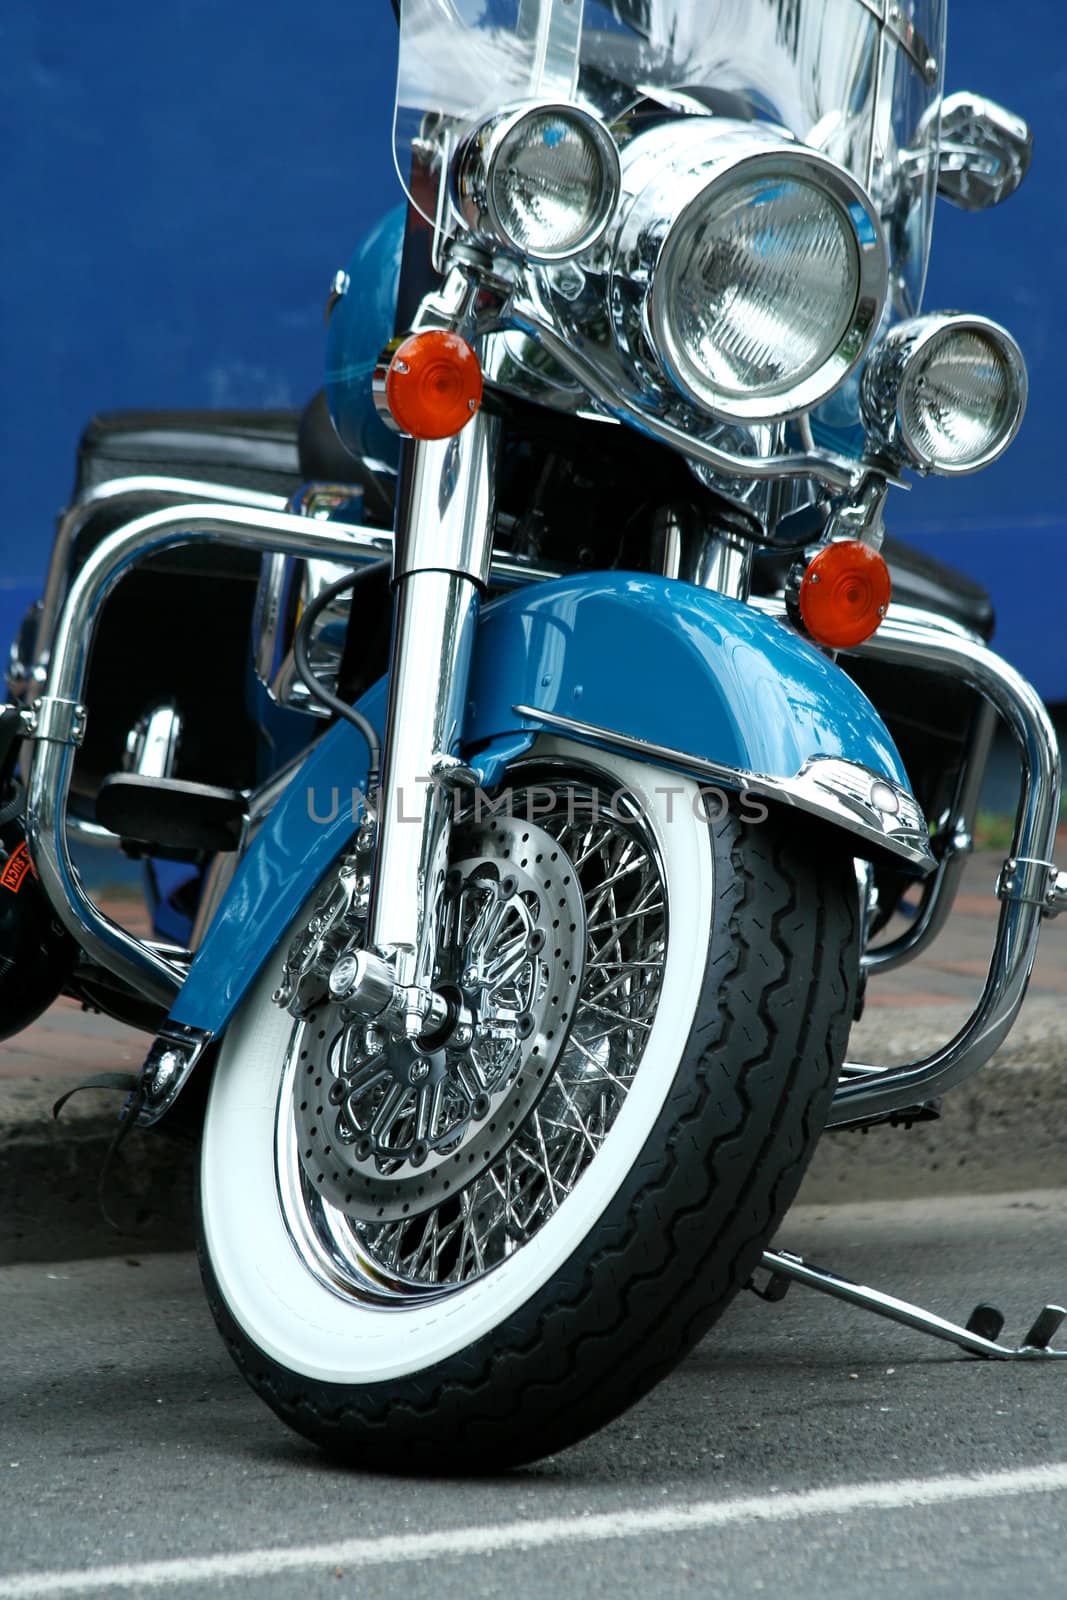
[{"x": 527, "y": 821}]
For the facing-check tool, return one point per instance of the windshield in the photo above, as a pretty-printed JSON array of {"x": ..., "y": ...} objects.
[{"x": 858, "y": 79}]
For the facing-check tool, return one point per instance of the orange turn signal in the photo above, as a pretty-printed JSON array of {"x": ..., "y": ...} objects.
[
  {"x": 434, "y": 385},
  {"x": 844, "y": 594}
]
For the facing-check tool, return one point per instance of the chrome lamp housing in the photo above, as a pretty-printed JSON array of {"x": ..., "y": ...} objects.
[
  {"x": 748, "y": 272},
  {"x": 945, "y": 393},
  {"x": 716, "y": 278},
  {"x": 542, "y": 180}
]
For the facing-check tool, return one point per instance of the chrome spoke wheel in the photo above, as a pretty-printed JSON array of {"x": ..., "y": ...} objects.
[
  {"x": 408, "y": 1176},
  {"x": 588, "y": 1247}
]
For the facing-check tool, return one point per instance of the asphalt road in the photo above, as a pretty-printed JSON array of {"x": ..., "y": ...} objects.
[{"x": 127, "y": 1440}]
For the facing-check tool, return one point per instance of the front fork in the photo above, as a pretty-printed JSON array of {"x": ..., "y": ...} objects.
[{"x": 441, "y": 560}]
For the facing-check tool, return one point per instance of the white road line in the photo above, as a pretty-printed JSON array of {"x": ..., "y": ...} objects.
[{"x": 393, "y": 1549}]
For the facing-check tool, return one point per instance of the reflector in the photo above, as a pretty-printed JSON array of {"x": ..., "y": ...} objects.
[
  {"x": 434, "y": 385},
  {"x": 844, "y": 594}
]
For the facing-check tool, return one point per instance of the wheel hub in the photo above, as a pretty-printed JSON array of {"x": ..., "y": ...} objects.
[{"x": 388, "y": 1128}]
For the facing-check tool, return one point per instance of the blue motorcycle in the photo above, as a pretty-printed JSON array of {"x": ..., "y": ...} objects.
[{"x": 563, "y": 733}]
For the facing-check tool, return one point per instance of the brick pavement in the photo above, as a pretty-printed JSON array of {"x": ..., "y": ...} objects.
[
  {"x": 954, "y": 966},
  {"x": 67, "y": 1042}
]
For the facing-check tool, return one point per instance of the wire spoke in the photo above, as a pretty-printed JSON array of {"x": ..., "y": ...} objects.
[
  {"x": 619, "y": 1016},
  {"x": 611, "y": 1016},
  {"x": 601, "y": 1069},
  {"x": 617, "y": 926}
]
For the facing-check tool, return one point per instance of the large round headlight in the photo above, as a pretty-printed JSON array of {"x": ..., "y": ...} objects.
[
  {"x": 945, "y": 393},
  {"x": 544, "y": 181},
  {"x": 757, "y": 291},
  {"x": 762, "y": 265}
]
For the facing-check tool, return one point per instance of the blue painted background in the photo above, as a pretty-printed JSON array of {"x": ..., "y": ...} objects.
[{"x": 178, "y": 184}]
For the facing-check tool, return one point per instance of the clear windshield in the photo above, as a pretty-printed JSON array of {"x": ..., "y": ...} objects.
[{"x": 834, "y": 72}]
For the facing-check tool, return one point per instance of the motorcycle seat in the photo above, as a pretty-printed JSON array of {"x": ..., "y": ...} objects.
[
  {"x": 920, "y": 580},
  {"x": 274, "y": 452},
  {"x": 250, "y": 449}
]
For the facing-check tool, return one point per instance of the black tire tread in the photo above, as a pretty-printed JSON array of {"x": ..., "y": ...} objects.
[{"x": 685, "y": 1231}]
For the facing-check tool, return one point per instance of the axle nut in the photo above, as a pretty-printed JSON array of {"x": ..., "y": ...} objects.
[
  {"x": 364, "y": 982},
  {"x": 343, "y": 978}
]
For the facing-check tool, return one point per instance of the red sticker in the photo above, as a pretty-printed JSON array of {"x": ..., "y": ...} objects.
[{"x": 14, "y": 874}]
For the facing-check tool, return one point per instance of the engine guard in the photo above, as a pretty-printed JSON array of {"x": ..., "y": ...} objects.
[{"x": 681, "y": 677}]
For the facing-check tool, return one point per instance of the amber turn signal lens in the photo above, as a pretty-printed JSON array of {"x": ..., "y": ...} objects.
[
  {"x": 844, "y": 594},
  {"x": 434, "y": 385}
]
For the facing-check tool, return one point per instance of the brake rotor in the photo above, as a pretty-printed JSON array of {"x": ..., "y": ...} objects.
[{"x": 388, "y": 1129}]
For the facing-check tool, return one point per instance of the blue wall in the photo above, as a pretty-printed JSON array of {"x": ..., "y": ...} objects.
[
  {"x": 179, "y": 184},
  {"x": 1007, "y": 525}
]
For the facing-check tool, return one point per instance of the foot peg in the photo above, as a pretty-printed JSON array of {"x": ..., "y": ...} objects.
[
  {"x": 171, "y": 814},
  {"x": 978, "y": 1338},
  {"x": 152, "y": 811}
]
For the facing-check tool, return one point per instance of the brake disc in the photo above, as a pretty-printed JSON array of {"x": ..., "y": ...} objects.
[{"x": 387, "y": 1129}]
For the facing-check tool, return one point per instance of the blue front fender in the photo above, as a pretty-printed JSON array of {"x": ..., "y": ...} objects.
[
  {"x": 645, "y": 657},
  {"x": 673, "y": 665}
]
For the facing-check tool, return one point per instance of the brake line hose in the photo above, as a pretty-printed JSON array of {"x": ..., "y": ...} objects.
[{"x": 318, "y": 690}]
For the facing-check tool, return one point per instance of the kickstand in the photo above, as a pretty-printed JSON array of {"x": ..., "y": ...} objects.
[{"x": 978, "y": 1338}]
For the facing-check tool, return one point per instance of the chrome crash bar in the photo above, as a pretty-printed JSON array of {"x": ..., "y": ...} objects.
[
  {"x": 58, "y": 718},
  {"x": 955, "y": 842},
  {"x": 124, "y": 498},
  {"x": 1029, "y": 888}
]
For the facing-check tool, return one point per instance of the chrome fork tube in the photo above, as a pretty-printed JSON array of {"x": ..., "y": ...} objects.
[
  {"x": 436, "y": 616},
  {"x": 442, "y": 555}
]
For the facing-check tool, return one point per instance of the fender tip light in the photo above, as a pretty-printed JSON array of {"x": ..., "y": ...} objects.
[
  {"x": 844, "y": 594},
  {"x": 434, "y": 385}
]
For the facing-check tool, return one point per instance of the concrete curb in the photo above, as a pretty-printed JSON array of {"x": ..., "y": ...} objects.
[{"x": 1004, "y": 1131}]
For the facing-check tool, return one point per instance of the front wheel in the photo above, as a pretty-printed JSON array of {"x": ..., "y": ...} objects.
[{"x": 474, "y": 1257}]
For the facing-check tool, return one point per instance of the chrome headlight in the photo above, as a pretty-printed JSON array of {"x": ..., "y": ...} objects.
[
  {"x": 945, "y": 393},
  {"x": 761, "y": 265},
  {"x": 543, "y": 180}
]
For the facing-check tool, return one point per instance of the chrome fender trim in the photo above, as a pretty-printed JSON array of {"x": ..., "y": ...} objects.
[{"x": 880, "y": 814}]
